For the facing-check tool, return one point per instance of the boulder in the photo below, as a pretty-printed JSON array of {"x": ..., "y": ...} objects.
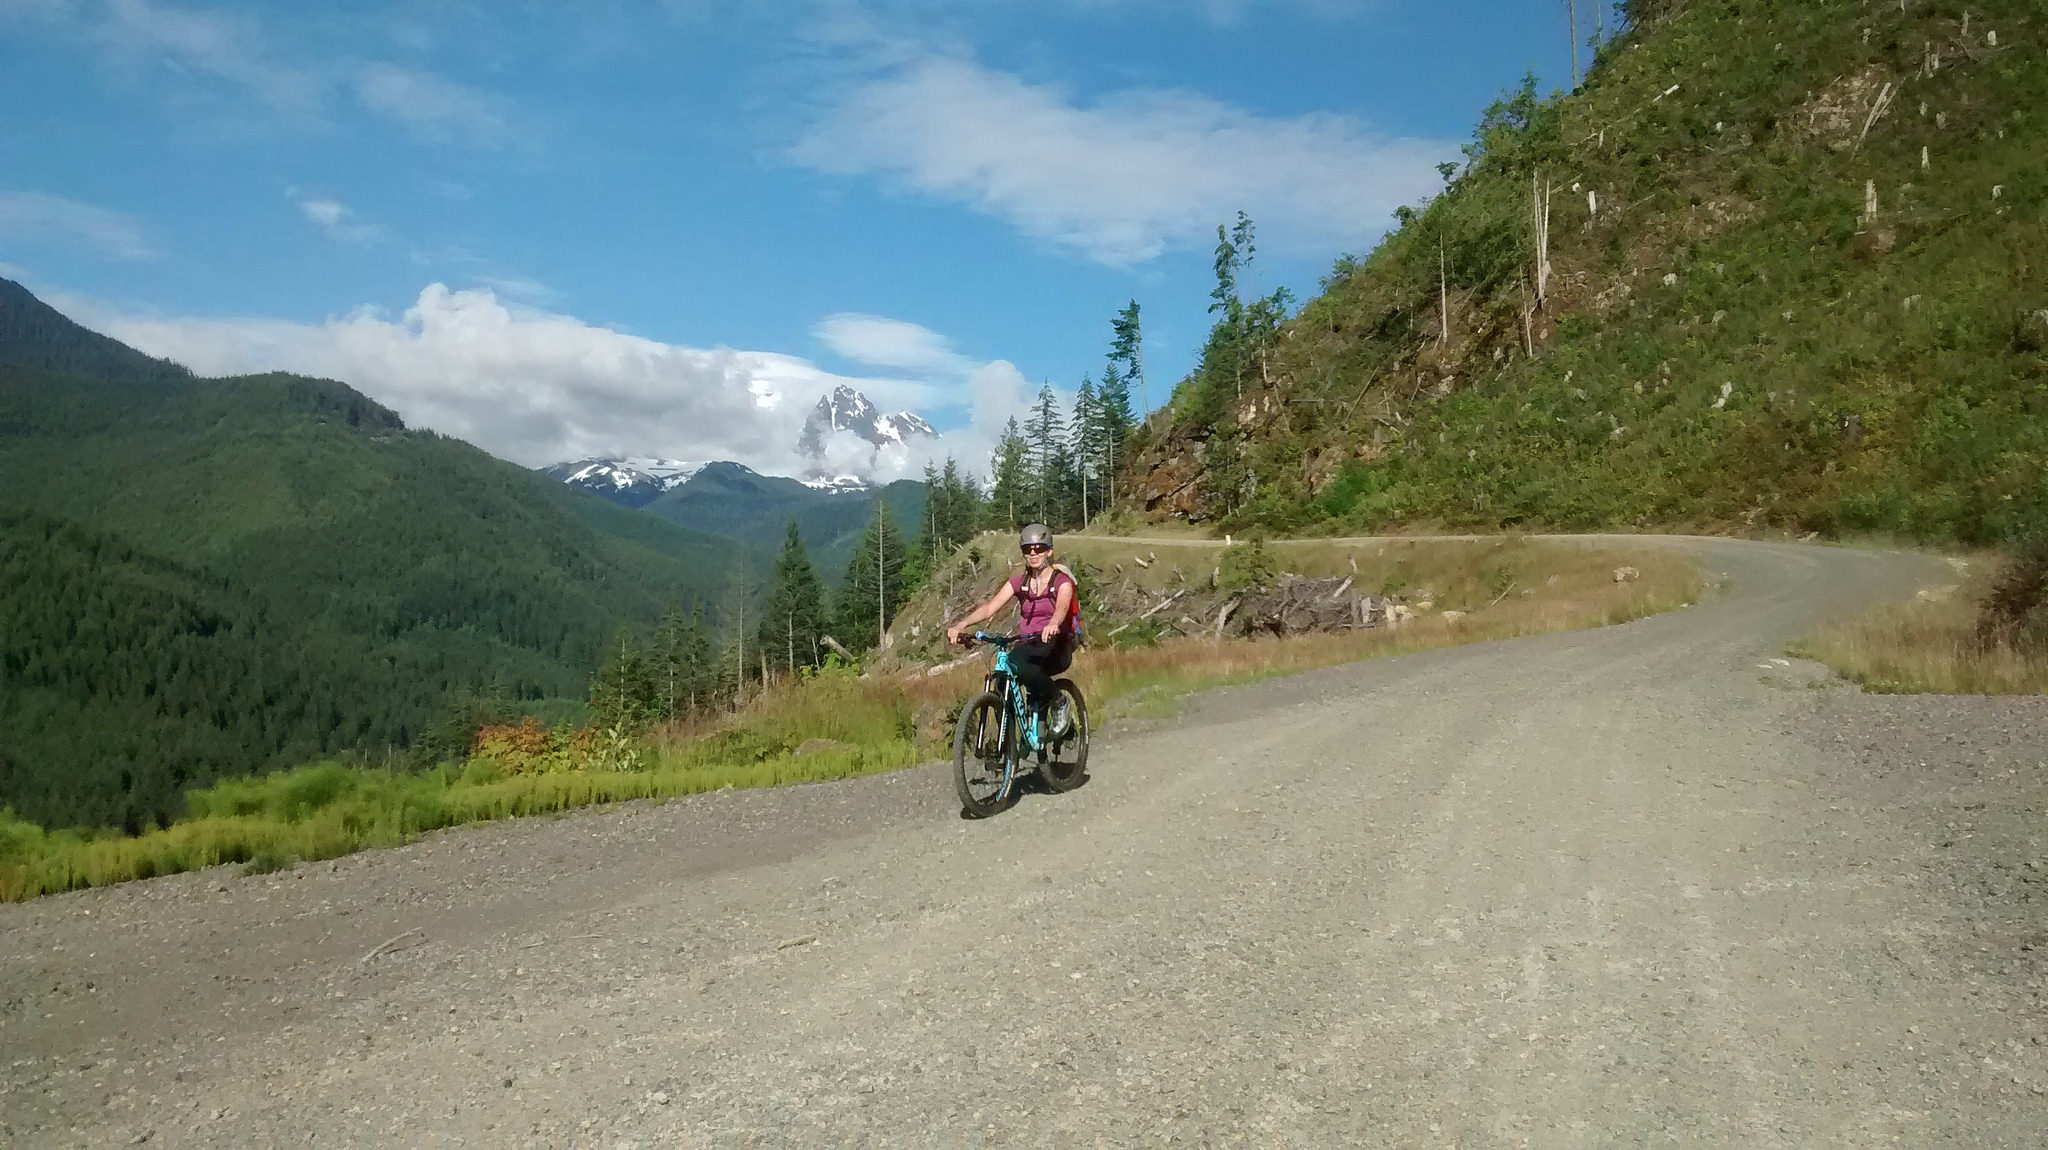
[{"x": 1626, "y": 574}]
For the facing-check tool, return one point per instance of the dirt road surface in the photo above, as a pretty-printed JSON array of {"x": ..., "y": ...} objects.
[{"x": 1636, "y": 886}]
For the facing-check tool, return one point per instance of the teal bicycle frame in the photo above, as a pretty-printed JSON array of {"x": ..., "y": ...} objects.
[{"x": 1003, "y": 681}]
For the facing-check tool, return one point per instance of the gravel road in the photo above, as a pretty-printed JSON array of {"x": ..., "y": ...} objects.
[{"x": 1636, "y": 886}]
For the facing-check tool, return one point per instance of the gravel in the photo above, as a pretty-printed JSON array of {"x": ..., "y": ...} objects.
[{"x": 1646, "y": 884}]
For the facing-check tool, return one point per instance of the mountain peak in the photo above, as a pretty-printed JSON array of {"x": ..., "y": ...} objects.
[
  {"x": 844, "y": 414},
  {"x": 634, "y": 481}
]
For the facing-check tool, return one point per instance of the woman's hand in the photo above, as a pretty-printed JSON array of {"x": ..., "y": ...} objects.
[
  {"x": 1050, "y": 633},
  {"x": 953, "y": 636}
]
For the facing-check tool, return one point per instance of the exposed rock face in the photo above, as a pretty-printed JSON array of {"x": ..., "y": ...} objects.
[{"x": 1170, "y": 487}]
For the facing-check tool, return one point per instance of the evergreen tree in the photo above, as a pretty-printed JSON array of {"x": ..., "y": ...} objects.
[
  {"x": 1113, "y": 413},
  {"x": 954, "y": 511},
  {"x": 1088, "y": 447},
  {"x": 873, "y": 589},
  {"x": 1127, "y": 349},
  {"x": 625, "y": 693},
  {"x": 794, "y": 616},
  {"x": 1049, "y": 458},
  {"x": 1010, "y": 494},
  {"x": 739, "y": 663}
]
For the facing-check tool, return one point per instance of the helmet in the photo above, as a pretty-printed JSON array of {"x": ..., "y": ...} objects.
[{"x": 1034, "y": 533}]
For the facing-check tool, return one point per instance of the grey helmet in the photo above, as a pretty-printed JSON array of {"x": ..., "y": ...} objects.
[{"x": 1034, "y": 533}]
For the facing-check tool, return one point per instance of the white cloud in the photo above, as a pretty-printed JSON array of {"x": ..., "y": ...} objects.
[
  {"x": 195, "y": 49},
  {"x": 31, "y": 217},
  {"x": 335, "y": 218},
  {"x": 433, "y": 108},
  {"x": 537, "y": 387},
  {"x": 205, "y": 43},
  {"x": 1127, "y": 177},
  {"x": 881, "y": 342}
]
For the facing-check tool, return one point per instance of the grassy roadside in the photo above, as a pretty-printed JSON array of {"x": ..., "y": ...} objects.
[
  {"x": 1929, "y": 644},
  {"x": 862, "y": 725}
]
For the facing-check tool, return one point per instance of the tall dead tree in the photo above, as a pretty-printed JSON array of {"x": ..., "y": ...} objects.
[
  {"x": 1539, "y": 219},
  {"x": 1443, "y": 289},
  {"x": 1572, "y": 8}
]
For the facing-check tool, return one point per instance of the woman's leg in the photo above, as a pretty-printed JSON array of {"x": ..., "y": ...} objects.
[{"x": 1030, "y": 663}]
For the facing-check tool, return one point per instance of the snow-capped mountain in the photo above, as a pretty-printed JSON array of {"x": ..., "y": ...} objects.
[
  {"x": 838, "y": 484},
  {"x": 634, "y": 481},
  {"x": 848, "y": 412}
]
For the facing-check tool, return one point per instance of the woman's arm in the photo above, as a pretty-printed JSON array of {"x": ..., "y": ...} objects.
[
  {"x": 1062, "y": 603},
  {"x": 987, "y": 610}
]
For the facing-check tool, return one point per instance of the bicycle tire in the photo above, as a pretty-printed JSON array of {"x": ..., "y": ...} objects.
[
  {"x": 1066, "y": 761},
  {"x": 982, "y": 743}
]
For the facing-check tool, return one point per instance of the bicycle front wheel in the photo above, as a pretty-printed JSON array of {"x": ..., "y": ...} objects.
[{"x": 983, "y": 746}]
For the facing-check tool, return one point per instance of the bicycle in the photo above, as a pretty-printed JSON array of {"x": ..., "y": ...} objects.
[{"x": 996, "y": 725}]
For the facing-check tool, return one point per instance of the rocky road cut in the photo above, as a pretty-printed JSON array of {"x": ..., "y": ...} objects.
[{"x": 1634, "y": 886}]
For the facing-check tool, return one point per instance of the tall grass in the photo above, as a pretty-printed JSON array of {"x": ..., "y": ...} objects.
[
  {"x": 874, "y": 724},
  {"x": 1927, "y": 646}
]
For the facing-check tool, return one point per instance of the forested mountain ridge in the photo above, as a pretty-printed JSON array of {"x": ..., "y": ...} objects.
[
  {"x": 1773, "y": 264},
  {"x": 740, "y": 503},
  {"x": 213, "y": 577}
]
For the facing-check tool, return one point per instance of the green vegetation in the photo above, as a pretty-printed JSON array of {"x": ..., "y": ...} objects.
[
  {"x": 736, "y": 502},
  {"x": 877, "y": 723},
  {"x": 1774, "y": 265},
  {"x": 205, "y": 579}
]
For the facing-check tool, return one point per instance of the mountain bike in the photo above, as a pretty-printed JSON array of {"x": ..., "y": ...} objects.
[{"x": 998, "y": 739}]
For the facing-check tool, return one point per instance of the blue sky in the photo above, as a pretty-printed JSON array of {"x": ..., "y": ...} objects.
[{"x": 665, "y": 228}]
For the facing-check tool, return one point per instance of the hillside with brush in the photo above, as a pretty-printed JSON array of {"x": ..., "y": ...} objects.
[
  {"x": 206, "y": 578},
  {"x": 1771, "y": 266}
]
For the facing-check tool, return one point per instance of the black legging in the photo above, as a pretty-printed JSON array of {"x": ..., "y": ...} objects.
[{"x": 1036, "y": 662}]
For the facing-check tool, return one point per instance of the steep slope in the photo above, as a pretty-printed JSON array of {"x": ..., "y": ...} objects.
[
  {"x": 282, "y": 523},
  {"x": 1775, "y": 264},
  {"x": 739, "y": 503}
]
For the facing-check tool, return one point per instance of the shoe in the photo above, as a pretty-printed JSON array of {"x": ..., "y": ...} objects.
[{"x": 1059, "y": 718}]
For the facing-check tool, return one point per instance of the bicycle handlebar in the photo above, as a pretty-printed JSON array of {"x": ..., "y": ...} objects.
[{"x": 997, "y": 640}]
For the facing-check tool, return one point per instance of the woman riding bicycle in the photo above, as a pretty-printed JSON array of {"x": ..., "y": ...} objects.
[{"x": 1044, "y": 592}]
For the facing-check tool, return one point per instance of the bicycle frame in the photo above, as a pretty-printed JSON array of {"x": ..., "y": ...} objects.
[{"x": 1002, "y": 681}]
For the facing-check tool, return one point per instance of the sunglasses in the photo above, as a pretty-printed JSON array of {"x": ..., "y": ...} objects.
[{"x": 1036, "y": 548}]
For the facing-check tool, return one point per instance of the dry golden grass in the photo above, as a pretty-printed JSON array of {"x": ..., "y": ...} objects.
[{"x": 1926, "y": 646}]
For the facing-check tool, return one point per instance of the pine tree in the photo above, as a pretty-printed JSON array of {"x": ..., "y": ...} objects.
[
  {"x": 1047, "y": 436},
  {"x": 1127, "y": 347},
  {"x": 794, "y": 616},
  {"x": 953, "y": 513},
  {"x": 873, "y": 589},
  {"x": 624, "y": 693},
  {"x": 1089, "y": 447},
  {"x": 1010, "y": 494},
  {"x": 1113, "y": 412}
]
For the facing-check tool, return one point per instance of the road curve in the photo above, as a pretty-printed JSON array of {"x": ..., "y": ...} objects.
[{"x": 1581, "y": 889}]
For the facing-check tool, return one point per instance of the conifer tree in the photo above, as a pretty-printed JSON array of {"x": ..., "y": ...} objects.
[
  {"x": 1113, "y": 413},
  {"x": 1127, "y": 348},
  {"x": 1050, "y": 460},
  {"x": 873, "y": 589},
  {"x": 794, "y": 616},
  {"x": 1010, "y": 494},
  {"x": 1089, "y": 447}
]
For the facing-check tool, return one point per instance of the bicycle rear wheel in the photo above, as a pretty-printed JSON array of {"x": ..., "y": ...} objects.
[
  {"x": 983, "y": 745},
  {"x": 1065, "y": 758}
]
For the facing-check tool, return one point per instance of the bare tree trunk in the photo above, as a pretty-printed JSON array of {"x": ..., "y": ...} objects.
[
  {"x": 881, "y": 576},
  {"x": 1539, "y": 216},
  {"x": 1443, "y": 286},
  {"x": 1573, "y": 7}
]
